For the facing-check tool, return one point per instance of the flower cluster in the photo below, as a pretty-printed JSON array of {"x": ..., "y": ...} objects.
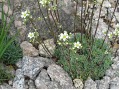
[
  {"x": 33, "y": 36},
  {"x": 115, "y": 33},
  {"x": 77, "y": 45},
  {"x": 65, "y": 40},
  {"x": 64, "y": 36},
  {"x": 25, "y": 15},
  {"x": 44, "y": 2}
]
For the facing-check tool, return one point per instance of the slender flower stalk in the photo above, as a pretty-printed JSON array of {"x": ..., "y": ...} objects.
[{"x": 109, "y": 23}]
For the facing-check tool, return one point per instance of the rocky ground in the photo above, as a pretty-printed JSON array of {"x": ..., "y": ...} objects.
[{"x": 36, "y": 72}]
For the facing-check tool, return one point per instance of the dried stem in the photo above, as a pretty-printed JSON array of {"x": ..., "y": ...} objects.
[{"x": 109, "y": 23}]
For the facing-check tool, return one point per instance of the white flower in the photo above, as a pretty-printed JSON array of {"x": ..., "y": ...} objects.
[
  {"x": 64, "y": 36},
  {"x": 104, "y": 32},
  {"x": 25, "y": 14},
  {"x": 116, "y": 32},
  {"x": 77, "y": 45},
  {"x": 110, "y": 35},
  {"x": 99, "y": 1},
  {"x": 106, "y": 52},
  {"x": 44, "y": 2},
  {"x": 31, "y": 35}
]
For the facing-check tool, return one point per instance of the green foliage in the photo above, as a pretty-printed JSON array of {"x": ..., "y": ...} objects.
[
  {"x": 83, "y": 64},
  {"x": 12, "y": 54},
  {"x": 10, "y": 51},
  {"x": 4, "y": 75},
  {"x": 4, "y": 27}
]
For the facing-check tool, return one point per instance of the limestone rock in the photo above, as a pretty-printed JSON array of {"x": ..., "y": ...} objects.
[
  {"x": 102, "y": 27},
  {"x": 19, "y": 80},
  {"x": 110, "y": 72},
  {"x": 7, "y": 9},
  {"x": 47, "y": 61},
  {"x": 31, "y": 66},
  {"x": 18, "y": 23},
  {"x": 106, "y": 4},
  {"x": 31, "y": 84},
  {"x": 104, "y": 83},
  {"x": 115, "y": 66},
  {"x": 5, "y": 86},
  {"x": 10, "y": 82},
  {"x": 42, "y": 80},
  {"x": 28, "y": 49},
  {"x": 114, "y": 84},
  {"x": 23, "y": 31},
  {"x": 50, "y": 45},
  {"x": 56, "y": 73},
  {"x": 19, "y": 64},
  {"x": 54, "y": 85},
  {"x": 90, "y": 84},
  {"x": 78, "y": 83}
]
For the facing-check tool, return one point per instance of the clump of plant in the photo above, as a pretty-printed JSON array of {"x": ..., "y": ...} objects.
[
  {"x": 4, "y": 75},
  {"x": 76, "y": 59},
  {"x": 10, "y": 52},
  {"x": 81, "y": 55}
]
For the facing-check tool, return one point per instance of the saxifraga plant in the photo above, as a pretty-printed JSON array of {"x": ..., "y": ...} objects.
[
  {"x": 77, "y": 63},
  {"x": 92, "y": 52}
]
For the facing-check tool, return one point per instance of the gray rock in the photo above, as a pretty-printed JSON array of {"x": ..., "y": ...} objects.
[
  {"x": 17, "y": 3},
  {"x": 19, "y": 64},
  {"x": 97, "y": 82},
  {"x": 104, "y": 83},
  {"x": 49, "y": 43},
  {"x": 46, "y": 60},
  {"x": 42, "y": 80},
  {"x": 10, "y": 82},
  {"x": 106, "y": 4},
  {"x": 7, "y": 9},
  {"x": 90, "y": 84},
  {"x": 31, "y": 66},
  {"x": 110, "y": 72},
  {"x": 28, "y": 49},
  {"x": 115, "y": 66},
  {"x": 17, "y": 23},
  {"x": 26, "y": 84},
  {"x": 115, "y": 79},
  {"x": 22, "y": 36},
  {"x": 103, "y": 13},
  {"x": 5, "y": 86},
  {"x": 114, "y": 84},
  {"x": 54, "y": 85},
  {"x": 19, "y": 80},
  {"x": 102, "y": 26},
  {"x": 57, "y": 73},
  {"x": 31, "y": 84},
  {"x": 67, "y": 6},
  {"x": 116, "y": 59}
]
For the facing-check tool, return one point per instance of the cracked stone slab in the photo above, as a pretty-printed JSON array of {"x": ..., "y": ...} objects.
[
  {"x": 57, "y": 73},
  {"x": 19, "y": 80},
  {"x": 31, "y": 66}
]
